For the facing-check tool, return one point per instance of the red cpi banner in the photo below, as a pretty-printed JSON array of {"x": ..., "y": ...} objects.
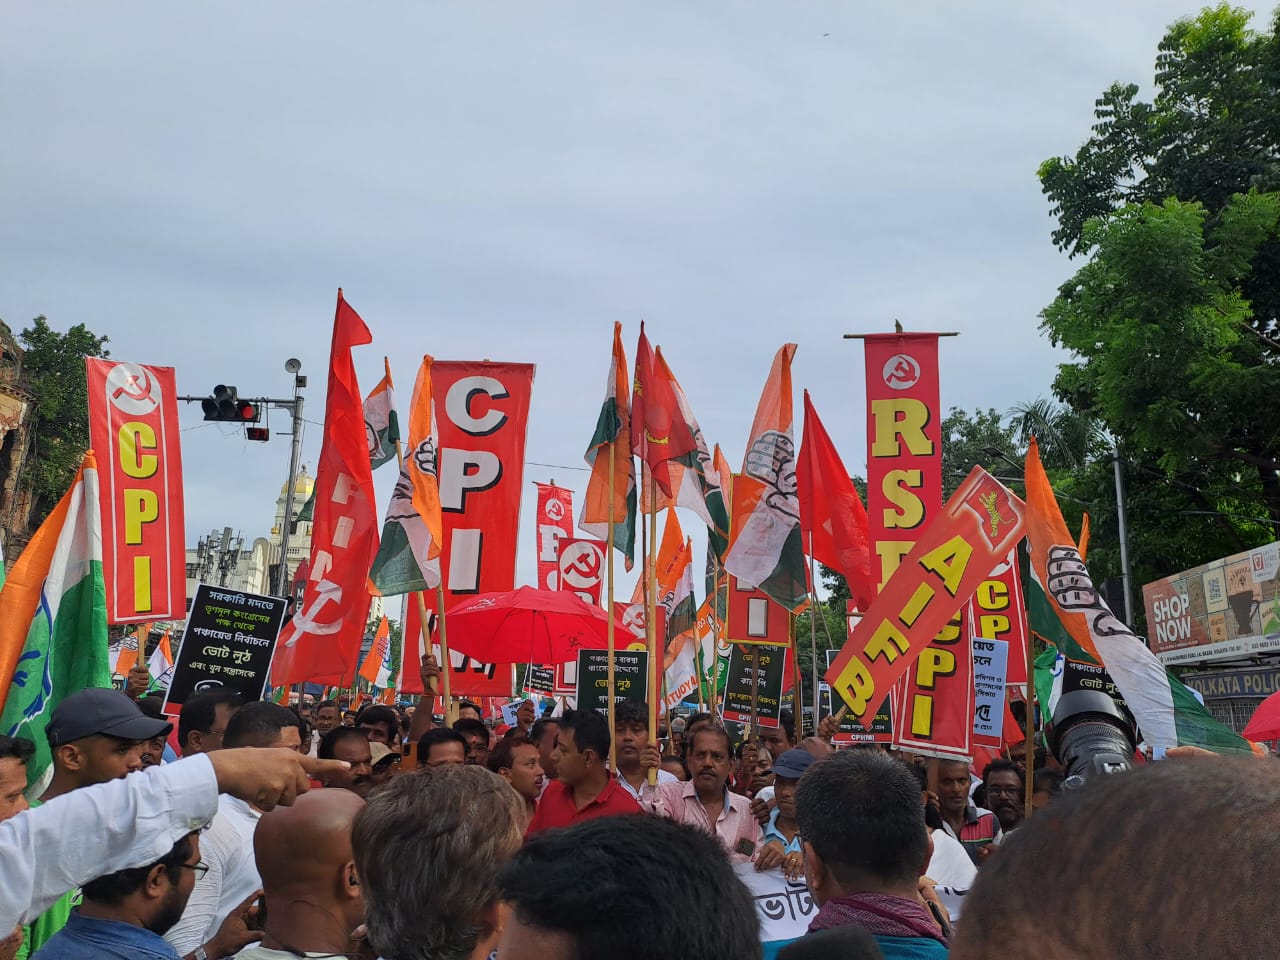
[
  {"x": 555, "y": 524},
  {"x": 467, "y": 677},
  {"x": 133, "y": 426},
  {"x": 997, "y": 612},
  {"x": 975, "y": 530},
  {"x": 581, "y": 568},
  {"x": 481, "y": 425}
]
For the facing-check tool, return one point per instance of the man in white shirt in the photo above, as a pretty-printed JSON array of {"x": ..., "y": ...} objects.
[
  {"x": 631, "y": 734},
  {"x": 127, "y": 823},
  {"x": 227, "y": 846}
]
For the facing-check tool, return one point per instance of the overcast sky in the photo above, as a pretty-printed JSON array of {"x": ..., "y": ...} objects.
[{"x": 504, "y": 180}]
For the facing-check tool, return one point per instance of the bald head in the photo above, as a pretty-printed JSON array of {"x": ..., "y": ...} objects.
[{"x": 308, "y": 844}]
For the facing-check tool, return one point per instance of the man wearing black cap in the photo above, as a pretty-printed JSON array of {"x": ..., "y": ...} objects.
[{"x": 95, "y": 736}]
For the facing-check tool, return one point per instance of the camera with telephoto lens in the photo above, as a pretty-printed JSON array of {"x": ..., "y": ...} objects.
[{"x": 1092, "y": 737}]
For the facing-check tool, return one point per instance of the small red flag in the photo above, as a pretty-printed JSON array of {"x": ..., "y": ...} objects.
[
  {"x": 832, "y": 519},
  {"x": 659, "y": 433}
]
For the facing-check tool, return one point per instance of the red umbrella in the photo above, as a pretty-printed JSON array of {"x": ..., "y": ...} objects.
[
  {"x": 1265, "y": 722},
  {"x": 527, "y": 626}
]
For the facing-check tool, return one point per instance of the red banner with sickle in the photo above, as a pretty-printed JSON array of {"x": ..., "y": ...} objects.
[
  {"x": 554, "y": 526},
  {"x": 133, "y": 426},
  {"x": 581, "y": 568}
]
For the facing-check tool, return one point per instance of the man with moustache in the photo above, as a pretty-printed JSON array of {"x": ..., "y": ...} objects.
[{"x": 515, "y": 759}]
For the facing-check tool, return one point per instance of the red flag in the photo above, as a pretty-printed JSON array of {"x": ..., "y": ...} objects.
[
  {"x": 832, "y": 518},
  {"x": 321, "y": 643},
  {"x": 658, "y": 431}
]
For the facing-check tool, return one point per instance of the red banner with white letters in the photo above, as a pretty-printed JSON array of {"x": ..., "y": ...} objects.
[
  {"x": 554, "y": 526},
  {"x": 133, "y": 427},
  {"x": 482, "y": 411},
  {"x": 321, "y": 644}
]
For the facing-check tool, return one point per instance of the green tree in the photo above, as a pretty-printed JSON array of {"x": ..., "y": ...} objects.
[
  {"x": 1172, "y": 322},
  {"x": 53, "y": 364}
]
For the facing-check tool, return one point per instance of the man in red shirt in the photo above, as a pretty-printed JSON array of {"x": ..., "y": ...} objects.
[{"x": 586, "y": 789}]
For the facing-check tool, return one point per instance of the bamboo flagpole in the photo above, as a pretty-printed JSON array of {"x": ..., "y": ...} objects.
[
  {"x": 424, "y": 625},
  {"x": 813, "y": 631},
  {"x": 1029, "y": 747},
  {"x": 446, "y": 664},
  {"x": 613, "y": 745},
  {"x": 650, "y": 614}
]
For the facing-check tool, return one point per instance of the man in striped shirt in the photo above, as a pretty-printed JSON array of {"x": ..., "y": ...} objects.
[{"x": 976, "y": 828}]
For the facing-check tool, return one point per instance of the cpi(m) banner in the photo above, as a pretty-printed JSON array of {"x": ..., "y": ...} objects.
[
  {"x": 481, "y": 425},
  {"x": 974, "y": 531},
  {"x": 554, "y": 525},
  {"x": 133, "y": 426}
]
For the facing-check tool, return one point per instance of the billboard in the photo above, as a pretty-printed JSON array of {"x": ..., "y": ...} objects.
[{"x": 1225, "y": 610}]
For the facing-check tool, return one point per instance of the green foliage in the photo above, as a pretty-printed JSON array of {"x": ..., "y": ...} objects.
[
  {"x": 53, "y": 364},
  {"x": 966, "y": 438},
  {"x": 1172, "y": 323}
]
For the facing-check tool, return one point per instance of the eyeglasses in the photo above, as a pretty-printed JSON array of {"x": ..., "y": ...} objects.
[
  {"x": 199, "y": 869},
  {"x": 1004, "y": 791}
]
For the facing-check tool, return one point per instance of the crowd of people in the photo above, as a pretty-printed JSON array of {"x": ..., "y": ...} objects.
[{"x": 560, "y": 837}]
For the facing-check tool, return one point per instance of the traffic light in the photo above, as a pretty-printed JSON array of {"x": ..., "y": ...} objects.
[
  {"x": 225, "y": 405},
  {"x": 257, "y": 433}
]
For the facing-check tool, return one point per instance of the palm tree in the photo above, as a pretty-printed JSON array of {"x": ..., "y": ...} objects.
[{"x": 1068, "y": 439}]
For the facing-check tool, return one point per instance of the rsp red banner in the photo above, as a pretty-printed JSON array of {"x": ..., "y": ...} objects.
[
  {"x": 554, "y": 525},
  {"x": 904, "y": 444},
  {"x": 976, "y": 529},
  {"x": 481, "y": 424},
  {"x": 133, "y": 426},
  {"x": 581, "y": 568}
]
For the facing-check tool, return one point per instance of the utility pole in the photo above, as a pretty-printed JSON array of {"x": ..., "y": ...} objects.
[
  {"x": 299, "y": 381},
  {"x": 1122, "y": 517}
]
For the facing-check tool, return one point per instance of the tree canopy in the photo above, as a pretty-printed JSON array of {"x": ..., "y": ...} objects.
[
  {"x": 1173, "y": 321},
  {"x": 53, "y": 364}
]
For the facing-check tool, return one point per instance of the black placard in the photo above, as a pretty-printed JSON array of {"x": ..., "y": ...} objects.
[
  {"x": 540, "y": 681},
  {"x": 772, "y": 669},
  {"x": 630, "y": 678},
  {"x": 851, "y": 729},
  {"x": 228, "y": 642}
]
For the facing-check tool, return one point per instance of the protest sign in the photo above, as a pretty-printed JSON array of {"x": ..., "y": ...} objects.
[
  {"x": 933, "y": 705},
  {"x": 228, "y": 642},
  {"x": 554, "y": 526},
  {"x": 769, "y": 663},
  {"x": 539, "y": 681},
  {"x": 990, "y": 659},
  {"x": 850, "y": 729},
  {"x": 784, "y": 908},
  {"x": 630, "y": 672},
  {"x": 133, "y": 424}
]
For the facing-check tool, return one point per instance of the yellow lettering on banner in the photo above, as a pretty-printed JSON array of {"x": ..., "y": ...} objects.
[
  {"x": 857, "y": 686},
  {"x": 922, "y": 715},
  {"x": 951, "y": 632},
  {"x": 900, "y": 421},
  {"x": 897, "y": 488},
  {"x": 142, "y": 584},
  {"x": 949, "y": 562},
  {"x": 917, "y": 604},
  {"x": 934, "y": 663},
  {"x": 140, "y": 507},
  {"x": 993, "y": 625},
  {"x": 887, "y": 642},
  {"x": 891, "y": 553},
  {"x": 992, "y": 595},
  {"x": 135, "y": 436}
]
